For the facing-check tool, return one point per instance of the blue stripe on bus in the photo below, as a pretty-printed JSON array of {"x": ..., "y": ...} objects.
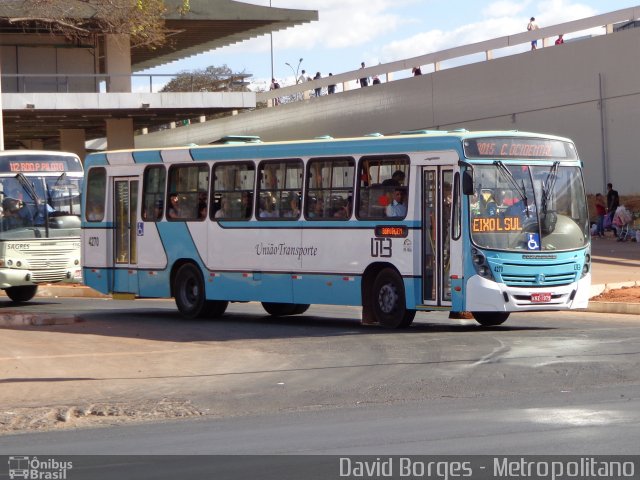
[
  {"x": 305, "y": 224},
  {"x": 147, "y": 156},
  {"x": 283, "y": 287}
]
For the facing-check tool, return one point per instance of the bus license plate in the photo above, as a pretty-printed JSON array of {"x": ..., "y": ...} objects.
[{"x": 540, "y": 297}]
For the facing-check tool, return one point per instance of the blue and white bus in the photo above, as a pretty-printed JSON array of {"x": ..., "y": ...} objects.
[{"x": 483, "y": 222}]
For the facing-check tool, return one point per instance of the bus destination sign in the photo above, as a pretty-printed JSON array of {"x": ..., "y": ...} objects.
[
  {"x": 39, "y": 164},
  {"x": 36, "y": 166},
  {"x": 392, "y": 231},
  {"x": 518, "y": 147}
]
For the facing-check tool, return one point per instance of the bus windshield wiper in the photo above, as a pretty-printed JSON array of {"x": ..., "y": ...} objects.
[
  {"x": 519, "y": 189},
  {"x": 28, "y": 187}
]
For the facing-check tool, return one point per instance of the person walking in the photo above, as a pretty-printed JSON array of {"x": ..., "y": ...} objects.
[
  {"x": 318, "y": 90},
  {"x": 331, "y": 89},
  {"x": 533, "y": 26},
  {"x": 601, "y": 211},
  {"x": 274, "y": 86},
  {"x": 613, "y": 201},
  {"x": 364, "y": 81}
]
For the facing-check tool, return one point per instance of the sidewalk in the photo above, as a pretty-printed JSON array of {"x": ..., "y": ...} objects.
[{"x": 614, "y": 265}]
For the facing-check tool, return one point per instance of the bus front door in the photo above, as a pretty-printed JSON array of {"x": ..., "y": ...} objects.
[
  {"x": 436, "y": 214},
  {"x": 125, "y": 258}
]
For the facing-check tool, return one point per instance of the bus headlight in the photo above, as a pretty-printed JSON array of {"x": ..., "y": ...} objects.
[
  {"x": 480, "y": 264},
  {"x": 586, "y": 268}
]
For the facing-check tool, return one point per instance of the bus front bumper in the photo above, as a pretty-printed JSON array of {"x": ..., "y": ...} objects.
[
  {"x": 484, "y": 295},
  {"x": 14, "y": 277}
]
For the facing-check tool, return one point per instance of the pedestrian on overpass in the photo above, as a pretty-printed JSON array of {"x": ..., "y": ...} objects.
[{"x": 364, "y": 81}]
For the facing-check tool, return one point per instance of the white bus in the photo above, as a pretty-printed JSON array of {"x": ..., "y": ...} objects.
[
  {"x": 486, "y": 222},
  {"x": 39, "y": 220}
]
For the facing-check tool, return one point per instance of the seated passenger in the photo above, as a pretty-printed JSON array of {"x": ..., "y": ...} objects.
[
  {"x": 294, "y": 204},
  {"x": 397, "y": 208},
  {"x": 173, "y": 212},
  {"x": 223, "y": 211},
  {"x": 267, "y": 210},
  {"x": 11, "y": 217}
]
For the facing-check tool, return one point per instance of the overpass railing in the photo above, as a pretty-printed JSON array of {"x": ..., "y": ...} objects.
[{"x": 301, "y": 91}]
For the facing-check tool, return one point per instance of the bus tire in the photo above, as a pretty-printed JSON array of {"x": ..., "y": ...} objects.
[
  {"x": 21, "y": 294},
  {"x": 188, "y": 290},
  {"x": 387, "y": 300},
  {"x": 300, "y": 308},
  {"x": 490, "y": 319},
  {"x": 279, "y": 309},
  {"x": 215, "y": 308}
]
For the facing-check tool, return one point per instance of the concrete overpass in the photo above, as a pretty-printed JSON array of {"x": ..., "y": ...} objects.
[{"x": 587, "y": 89}]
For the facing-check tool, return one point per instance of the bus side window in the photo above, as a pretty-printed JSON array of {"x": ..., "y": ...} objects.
[
  {"x": 96, "y": 190},
  {"x": 189, "y": 186},
  {"x": 330, "y": 188},
  {"x": 280, "y": 186},
  {"x": 153, "y": 193},
  {"x": 379, "y": 178},
  {"x": 232, "y": 192}
]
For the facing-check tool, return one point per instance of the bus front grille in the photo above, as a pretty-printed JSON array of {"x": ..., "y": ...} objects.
[
  {"x": 538, "y": 280},
  {"x": 48, "y": 276}
]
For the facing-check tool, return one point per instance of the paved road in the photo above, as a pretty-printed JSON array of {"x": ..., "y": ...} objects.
[{"x": 137, "y": 361}]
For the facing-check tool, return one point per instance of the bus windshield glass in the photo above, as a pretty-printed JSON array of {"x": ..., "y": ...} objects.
[
  {"x": 38, "y": 206},
  {"x": 530, "y": 208}
]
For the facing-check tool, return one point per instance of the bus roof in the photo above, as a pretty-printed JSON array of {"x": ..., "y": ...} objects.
[{"x": 438, "y": 139}]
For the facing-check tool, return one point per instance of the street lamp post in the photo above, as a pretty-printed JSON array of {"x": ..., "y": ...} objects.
[
  {"x": 295, "y": 72},
  {"x": 271, "y": 34}
]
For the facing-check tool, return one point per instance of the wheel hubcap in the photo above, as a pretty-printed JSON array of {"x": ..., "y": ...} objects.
[{"x": 387, "y": 298}]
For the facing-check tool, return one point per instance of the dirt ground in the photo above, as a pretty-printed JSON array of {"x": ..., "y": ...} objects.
[{"x": 625, "y": 295}]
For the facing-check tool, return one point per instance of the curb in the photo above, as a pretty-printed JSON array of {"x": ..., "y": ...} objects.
[
  {"x": 65, "y": 290},
  {"x": 614, "y": 307}
]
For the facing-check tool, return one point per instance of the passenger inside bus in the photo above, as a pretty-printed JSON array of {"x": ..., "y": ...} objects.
[
  {"x": 267, "y": 208},
  {"x": 294, "y": 206},
  {"x": 223, "y": 211},
  {"x": 397, "y": 207},
  {"x": 173, "y": 212}
]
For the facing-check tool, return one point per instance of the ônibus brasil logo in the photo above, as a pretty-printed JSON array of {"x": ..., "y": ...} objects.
[{"x": 37, "y": 469}]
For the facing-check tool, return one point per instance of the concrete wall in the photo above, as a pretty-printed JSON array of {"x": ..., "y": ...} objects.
[
  {"x": 551, "y": 90},
  {"x": 45, "y": 61}
]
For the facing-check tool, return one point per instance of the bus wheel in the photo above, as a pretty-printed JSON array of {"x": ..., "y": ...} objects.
[
  {"x": 215, "y": 308},
  {"x": 21, "y": 294},
  {"x": 387, "y": 300},
  {"x": 188, "y": 288},
  {"x": 300, "y": 308},
  {"x": 279, "y": 309},
  {"x": 490, "y": 319}
]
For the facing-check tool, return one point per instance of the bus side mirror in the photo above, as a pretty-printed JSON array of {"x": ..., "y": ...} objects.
[{"x": 467, "y": 182}]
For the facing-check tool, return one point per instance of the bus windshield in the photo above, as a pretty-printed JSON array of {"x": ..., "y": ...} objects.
[
  {"x": 39, "y": 206},
  {"x": 525, "y": 207}
]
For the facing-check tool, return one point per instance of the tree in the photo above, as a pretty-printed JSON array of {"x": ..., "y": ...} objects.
[
  {"x": 143, "y": 20},
  {"x": 210, "y": 79}
]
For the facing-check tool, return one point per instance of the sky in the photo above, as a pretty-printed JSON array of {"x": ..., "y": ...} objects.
[{"x": 379, "y": 31}]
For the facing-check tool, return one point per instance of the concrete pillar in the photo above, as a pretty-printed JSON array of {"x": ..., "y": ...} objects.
[
  {"x": 118, "y": 63},
  {"x": 120, "y": 133},
  {"x": 73, "y": 140}
]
